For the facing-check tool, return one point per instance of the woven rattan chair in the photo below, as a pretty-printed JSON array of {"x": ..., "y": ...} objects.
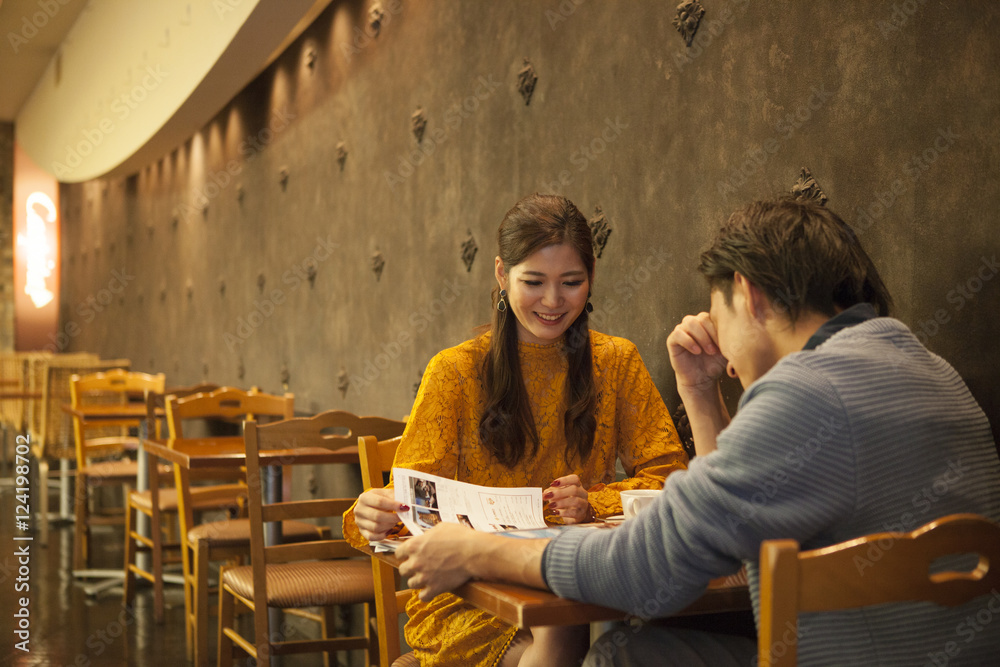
[
  {"x": 325, "y": 573},
  {"x": 98, "y": 446}
]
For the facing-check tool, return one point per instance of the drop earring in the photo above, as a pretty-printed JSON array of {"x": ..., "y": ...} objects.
[
  {"x": 589, "y": 307},
  {"x": 501, "y": 304}
]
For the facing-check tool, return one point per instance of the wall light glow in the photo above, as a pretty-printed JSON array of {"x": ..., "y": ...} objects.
[{"x": 38, "y": 253}]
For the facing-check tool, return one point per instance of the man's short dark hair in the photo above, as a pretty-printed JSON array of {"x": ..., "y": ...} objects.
[{"x": 801, "y": 254}]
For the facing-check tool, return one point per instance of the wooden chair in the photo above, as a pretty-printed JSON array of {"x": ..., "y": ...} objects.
[
  {"x": 228, "y": 539},
  {"x": 160, "y": 506},
  {"x": 376, "y": 460},
  {"x": 51, "y": 428},
  {"x": 106, "y": 440},
  {"x": 828, "y": 579},
  {"x": 299, "y": 575}
]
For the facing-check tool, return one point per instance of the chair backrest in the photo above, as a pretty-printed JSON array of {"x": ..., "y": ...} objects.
[
  {"x": 845, "y": 576},
  {"x": 113, "y": 387},
  {"x": 224, "y": 403},
  {"x": 54, "y": 426},
  {"x": 376, "y": 460},
  {"x": 292, "y": 434},
  {"x": 227, "y": 403}
]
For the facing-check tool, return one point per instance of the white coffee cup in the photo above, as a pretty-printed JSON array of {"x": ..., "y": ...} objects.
[{"x": 633, "y": 500}]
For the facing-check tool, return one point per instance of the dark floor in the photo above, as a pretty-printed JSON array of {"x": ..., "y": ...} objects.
[{"x": 68, "y": 628}]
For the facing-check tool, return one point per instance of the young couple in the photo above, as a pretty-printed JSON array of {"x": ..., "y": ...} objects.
[{"x": 845, "y": 417}]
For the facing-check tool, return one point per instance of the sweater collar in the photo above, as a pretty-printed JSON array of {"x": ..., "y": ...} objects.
[{"x": 856, "y": 314}]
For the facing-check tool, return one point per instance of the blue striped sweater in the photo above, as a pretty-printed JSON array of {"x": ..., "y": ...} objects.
[{"x": 868, "y": 432}]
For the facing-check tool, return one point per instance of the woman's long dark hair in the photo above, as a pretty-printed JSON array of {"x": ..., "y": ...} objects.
[{"x": 506, "y": 425}]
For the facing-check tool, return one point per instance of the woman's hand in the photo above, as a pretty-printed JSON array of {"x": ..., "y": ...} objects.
[
  {"x": 698, "y": 363},
  {"x": 567, "y": 498},
  {"x": 375, "y": 513}
]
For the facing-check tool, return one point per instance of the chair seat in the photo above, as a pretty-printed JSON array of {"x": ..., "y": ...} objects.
[
  {"x": 168, "y": 499},
  {"x": 233, "y": 532},
  {"x": 406, "y": 660},
  {"x": 113, "y": 471},
  {"x": 308, "y": 584}
]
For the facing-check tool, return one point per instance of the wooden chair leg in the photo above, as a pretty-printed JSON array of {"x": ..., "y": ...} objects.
[
  {"x": 128, "y": 585},
  {"x": 43, "y": 489},
  {"x": 188, "y": 557},
  {"x": 81, "y": 529},
  {"x": 226, "y": 620},
  {"x": 201, "y": 604},
  {"x": 328, "y": 626},
  {"x": 156, "y": 565}
]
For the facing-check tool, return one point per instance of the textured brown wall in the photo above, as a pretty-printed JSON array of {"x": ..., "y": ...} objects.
[{"x": 892, "y": 105}]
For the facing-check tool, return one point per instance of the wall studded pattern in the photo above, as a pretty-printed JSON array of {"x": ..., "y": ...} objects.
[
  {"x": 600, "y": 229},
  {"x": 377, "y": 263},
  {"x": 469, "y": 249},
  {"x": 806, "y": 187},
  {"x": 668, "y": 140},
  {"x": 418, "y": 123},
  {"x": 526, "y": 80},
  {"x": 688, "y": 18}
]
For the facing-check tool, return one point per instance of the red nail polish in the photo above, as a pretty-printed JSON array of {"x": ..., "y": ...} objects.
[
  {"x": 555, "y": 483},
  {"x": 404, "y": 508},
  {"x": 547, "y": 495}
]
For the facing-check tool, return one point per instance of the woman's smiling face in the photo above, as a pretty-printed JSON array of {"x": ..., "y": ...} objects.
[{"x": 546, "y": 292}]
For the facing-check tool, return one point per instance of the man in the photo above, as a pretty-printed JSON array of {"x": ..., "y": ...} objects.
[{"x": 847, "y": 426}]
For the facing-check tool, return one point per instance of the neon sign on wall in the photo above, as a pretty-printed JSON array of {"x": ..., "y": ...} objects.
[{"x": 39, "y": 254}]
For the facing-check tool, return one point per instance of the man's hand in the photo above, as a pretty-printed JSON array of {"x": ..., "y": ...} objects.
[
  {"x": 567, "y": 498},
  {"x": 438, "y": 560},
  {"x": 698, "y": 365},
  {"x": 375, "y": 513},
  {"x": 694, "y": 352},
  {"x": 448, "y": 555}
]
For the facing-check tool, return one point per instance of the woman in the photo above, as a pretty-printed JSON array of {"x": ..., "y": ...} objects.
[{"x": 539, "y": 400}]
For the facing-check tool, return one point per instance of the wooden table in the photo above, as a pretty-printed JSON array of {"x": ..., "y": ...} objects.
[{"x": 526, "y": 607}]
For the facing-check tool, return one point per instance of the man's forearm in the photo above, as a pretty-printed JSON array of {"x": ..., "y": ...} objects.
[
  {"x": 708, "y": 415},
  {"x": 496, "y": 558}
]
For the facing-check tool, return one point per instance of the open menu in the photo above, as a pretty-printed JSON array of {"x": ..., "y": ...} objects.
[{"x": 434, "y": 499}]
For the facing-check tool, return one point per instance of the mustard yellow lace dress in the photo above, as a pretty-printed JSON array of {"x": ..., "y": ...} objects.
[{"x": 441, "y": 438}]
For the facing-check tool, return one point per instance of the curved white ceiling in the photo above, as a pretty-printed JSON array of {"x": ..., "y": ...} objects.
[{"x": 134, "y": 79}]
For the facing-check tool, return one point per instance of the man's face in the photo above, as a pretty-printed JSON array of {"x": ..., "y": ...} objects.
[{"x": 743, "y": 339}]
